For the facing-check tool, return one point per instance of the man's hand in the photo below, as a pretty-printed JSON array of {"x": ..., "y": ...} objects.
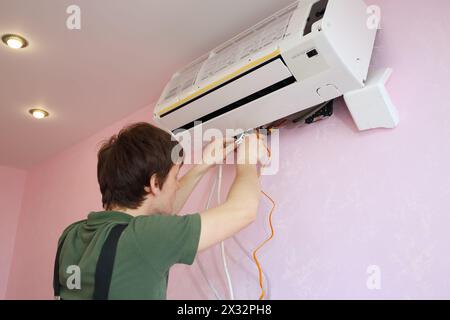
[
  {"x": 217, "y": 150},
  {"x": 241, "y": 205},
  {"x": 252, "y": 150},
  {"x": 214, "y": 153}
]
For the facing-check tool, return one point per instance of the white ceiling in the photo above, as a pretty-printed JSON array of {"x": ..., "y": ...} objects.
[{"x": 116, "y": 64}]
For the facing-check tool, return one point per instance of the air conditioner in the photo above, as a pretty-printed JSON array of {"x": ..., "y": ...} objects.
[{"x": 302, "y": 56}]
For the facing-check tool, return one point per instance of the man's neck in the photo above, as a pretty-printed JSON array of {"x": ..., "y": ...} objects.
[{"x": 136, "y": 212}]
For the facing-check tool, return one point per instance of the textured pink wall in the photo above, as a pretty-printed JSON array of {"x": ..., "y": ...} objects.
[
  {"x": 349, "y": 200},
  {"x": 346, "y": 200},
  {"x": 12, "y": 183}
]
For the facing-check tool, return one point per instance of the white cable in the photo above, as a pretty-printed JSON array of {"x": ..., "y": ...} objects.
[
  {"x": 241, "y": 246},
  {"x": 249, "y": 256},
  {"x": 211, "y": 192},
  {"x": 211, "y": 286},
  {"x": 202, "y": 269},
  {"x": 222, "y": 244}
]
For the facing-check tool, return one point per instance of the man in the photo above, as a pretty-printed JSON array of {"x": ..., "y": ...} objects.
[{"x": 141, "y": 193}]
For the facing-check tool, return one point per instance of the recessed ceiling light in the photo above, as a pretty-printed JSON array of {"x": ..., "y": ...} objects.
[
  {"x": 38, "y": 113},
  {"x": 14, "y": 41}
]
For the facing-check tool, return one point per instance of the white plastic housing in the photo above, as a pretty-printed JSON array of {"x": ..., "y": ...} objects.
[
  {"x": 281, "y": 66},
  {"x": 371, "y": 107}
]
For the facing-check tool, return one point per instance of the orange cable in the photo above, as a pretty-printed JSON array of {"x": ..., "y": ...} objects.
[{"x": 258, "y": 265}]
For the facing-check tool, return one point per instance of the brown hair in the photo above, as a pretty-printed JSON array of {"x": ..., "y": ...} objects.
[{"x": 127, "y": 161}]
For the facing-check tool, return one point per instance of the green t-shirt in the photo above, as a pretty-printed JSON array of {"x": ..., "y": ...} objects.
[{"x": 146, "y": 250}]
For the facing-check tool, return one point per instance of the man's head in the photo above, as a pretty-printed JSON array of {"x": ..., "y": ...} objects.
[{"x": 135, "y": 168}]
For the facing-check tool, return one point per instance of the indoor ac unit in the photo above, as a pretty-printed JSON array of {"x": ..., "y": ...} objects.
[{"x": 302, "y": 56}]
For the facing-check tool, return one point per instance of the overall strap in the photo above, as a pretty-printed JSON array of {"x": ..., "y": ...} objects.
[
  {"x": 105, "y": 264},
  {"x": 56, "y": 284},
  {"x": 104, "y": 268}
]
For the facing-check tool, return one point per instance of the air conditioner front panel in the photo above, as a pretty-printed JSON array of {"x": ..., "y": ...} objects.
[
  {"x": 271, "y": 75},
  {"x": 281, "y": 103}
]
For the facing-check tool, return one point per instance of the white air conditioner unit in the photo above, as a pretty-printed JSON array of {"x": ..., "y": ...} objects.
[{"x": 304, "y": 55}]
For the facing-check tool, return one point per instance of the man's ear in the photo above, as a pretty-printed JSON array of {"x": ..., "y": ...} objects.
[{"x": 154, "y": 186}]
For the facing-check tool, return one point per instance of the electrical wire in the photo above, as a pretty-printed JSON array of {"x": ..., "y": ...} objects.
[
  {"x": 222, "y": 243},
  {"x": 240, "y": 245},
  {"x": 200, "y": 264},
  {"x": 250, "y": 257},
  {"x": 261, "y": 273},
  {"x": 272, "y": 234},
  {"x": 255, "y": 258}
]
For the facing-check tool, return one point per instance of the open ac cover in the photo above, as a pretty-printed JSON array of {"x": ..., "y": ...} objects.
[{"x": 303, "y": 56}]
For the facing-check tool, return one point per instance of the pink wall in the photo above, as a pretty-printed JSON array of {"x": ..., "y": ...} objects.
[
  {"x": 12, "y": 183},
  {"x": 345, "y": 200}
]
